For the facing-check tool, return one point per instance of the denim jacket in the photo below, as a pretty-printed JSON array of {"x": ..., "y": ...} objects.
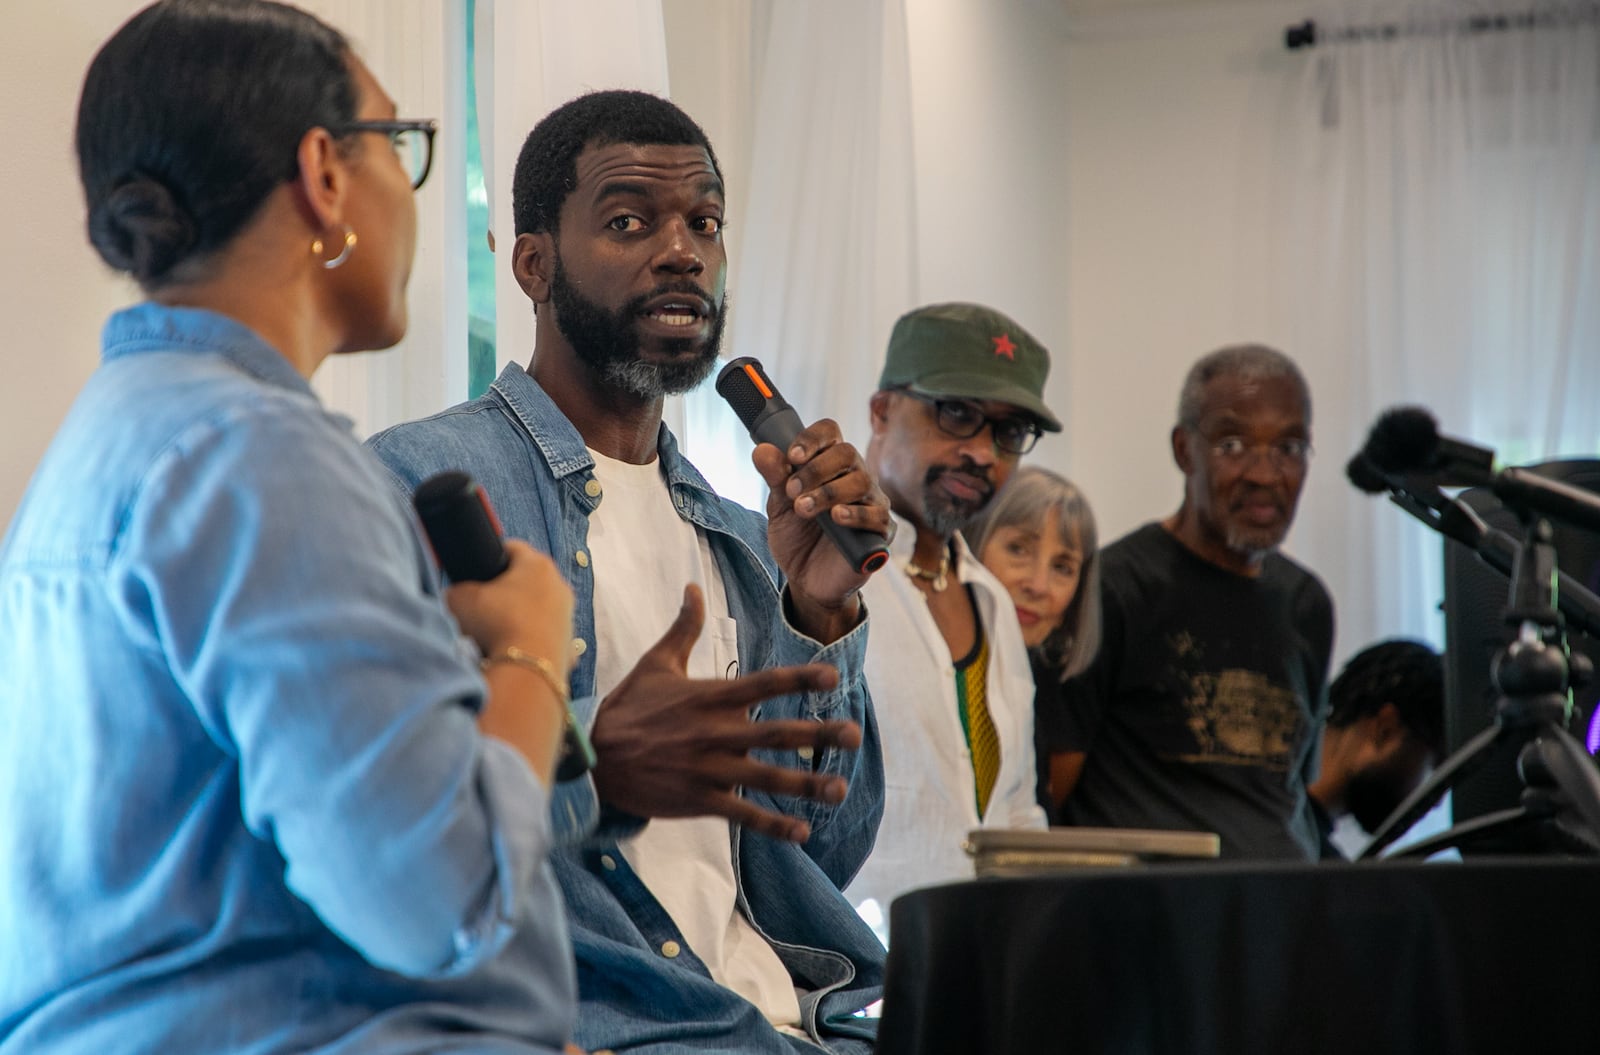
[{"x": 633, "y": 995}]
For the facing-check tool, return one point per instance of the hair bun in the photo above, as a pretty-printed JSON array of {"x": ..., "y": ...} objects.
[{"x": 140, "y": 228}]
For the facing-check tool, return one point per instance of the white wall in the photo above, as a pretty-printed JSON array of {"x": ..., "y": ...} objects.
[
  {"x": 990, "y": 98},
  {"x": 1172, "y": 240},
  {"x": 54, "y": 292},
  {"x": 1167, "y": 247}
]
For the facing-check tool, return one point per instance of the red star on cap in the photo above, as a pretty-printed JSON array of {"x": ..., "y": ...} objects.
[{"x": 1003, "y": 346}]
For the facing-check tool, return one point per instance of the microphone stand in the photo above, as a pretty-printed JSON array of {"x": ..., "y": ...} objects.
[{"x": 1533, "y": 674}]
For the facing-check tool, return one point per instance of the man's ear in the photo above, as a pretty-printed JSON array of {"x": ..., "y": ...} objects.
[
  {"x": 1387, "y": 725},
  {"x": 323, "y": 179},
  {"x": 533, "y": 262},
  {"x": 878, "y": 407},
  {"x": 1180, "y": 449}
]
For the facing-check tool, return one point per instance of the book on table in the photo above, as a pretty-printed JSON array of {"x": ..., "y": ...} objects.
[{"x": 1012, "y": 852}]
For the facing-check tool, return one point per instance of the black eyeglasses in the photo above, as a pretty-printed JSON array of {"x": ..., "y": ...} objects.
[
  {"x": 412, "y": 142},
  {"x": 963, "y": 420}
]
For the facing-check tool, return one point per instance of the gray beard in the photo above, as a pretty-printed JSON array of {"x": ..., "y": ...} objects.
[
  {"x": 651, "y": 381},
  {"x": 1253, "y": 543},
  {"x": 941, "y": 516}
]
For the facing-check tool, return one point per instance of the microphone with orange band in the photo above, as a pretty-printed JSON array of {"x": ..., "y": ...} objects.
[{"x": 770, "y": 419}]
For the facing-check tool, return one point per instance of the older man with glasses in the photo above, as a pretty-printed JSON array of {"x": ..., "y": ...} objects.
[
  {"x": 958, "y": 403},
  {"x": 1204, "y": 708}
]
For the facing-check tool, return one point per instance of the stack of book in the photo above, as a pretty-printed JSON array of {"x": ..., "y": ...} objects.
[{"x": 1008, "y": 852}]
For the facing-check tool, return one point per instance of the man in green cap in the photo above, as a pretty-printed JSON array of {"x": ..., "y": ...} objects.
[{"x": 958, "y": 403}]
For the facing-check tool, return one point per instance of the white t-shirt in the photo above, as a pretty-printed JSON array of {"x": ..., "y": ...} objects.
[{"x": 643, "y": 554}]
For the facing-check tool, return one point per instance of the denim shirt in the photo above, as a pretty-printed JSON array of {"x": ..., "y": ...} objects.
[
  {"x": 244, "y": 803},
  {"x": 539, "y": 475}
]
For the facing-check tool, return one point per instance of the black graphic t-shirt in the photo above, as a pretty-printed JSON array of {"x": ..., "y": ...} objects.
[{"x": 1203, "y": 710}]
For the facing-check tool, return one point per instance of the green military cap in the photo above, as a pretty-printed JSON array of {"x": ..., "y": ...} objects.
[{"x": 969, "y": 352}]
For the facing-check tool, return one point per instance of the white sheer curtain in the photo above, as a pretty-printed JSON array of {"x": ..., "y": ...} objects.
[
  {"x": 1440, "y": 200},
  {"x": 532, "y": 56},
  {"x": 416, "y": 48},
  {"x": 827, "y": 254}
]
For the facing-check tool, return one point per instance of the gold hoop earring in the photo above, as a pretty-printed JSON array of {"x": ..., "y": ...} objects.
[{"x": 317, "y": 249}]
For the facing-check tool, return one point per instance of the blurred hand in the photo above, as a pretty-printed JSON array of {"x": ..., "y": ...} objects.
[{"x": 672, "y": 746}]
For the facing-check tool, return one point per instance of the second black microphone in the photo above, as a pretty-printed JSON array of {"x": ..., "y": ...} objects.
[{"x": 770, "y": 419}]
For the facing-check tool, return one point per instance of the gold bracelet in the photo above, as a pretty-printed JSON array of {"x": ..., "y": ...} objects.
[{"x": 538, "y": 664}]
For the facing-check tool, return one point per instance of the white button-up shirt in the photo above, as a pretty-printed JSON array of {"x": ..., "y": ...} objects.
[{"x": 929, "y": 802}]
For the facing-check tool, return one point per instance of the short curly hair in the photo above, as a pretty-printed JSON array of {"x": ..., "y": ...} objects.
[
  {"x": 1247, "y": 362},
  {"x": 547, "y": 167},
  {"x": 1408, "y": 674}
]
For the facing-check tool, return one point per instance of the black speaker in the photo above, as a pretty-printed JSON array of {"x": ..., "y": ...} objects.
[{"x": 1475, "y": 630}]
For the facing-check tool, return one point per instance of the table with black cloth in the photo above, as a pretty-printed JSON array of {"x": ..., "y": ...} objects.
[{"x": 1483, "y": 956}]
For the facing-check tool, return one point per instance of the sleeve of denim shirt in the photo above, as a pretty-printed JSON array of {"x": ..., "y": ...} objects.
[
  {"x": 409, "y": 455},
  {"x": 835, "y": 842},
  {"x": 285, "y": 583}
]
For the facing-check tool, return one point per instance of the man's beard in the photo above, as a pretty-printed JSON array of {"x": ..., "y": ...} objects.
[
  {"x": 610, "y": 341},
  {"x": 942, "y": 512},
  {"x": 1253, "y": 542}
]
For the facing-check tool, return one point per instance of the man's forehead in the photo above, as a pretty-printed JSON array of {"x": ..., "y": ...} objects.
[
  {"x": 601, "y": 165},
  {"x": 995, "y": 409},
  {"x": 1247, "y": 400},
  {"x": 991, "y": 408}
]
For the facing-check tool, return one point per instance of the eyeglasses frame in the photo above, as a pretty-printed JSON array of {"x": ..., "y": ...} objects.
[
  {"x": 427, "y": 126},
  {"x": 984, "y": 420},
  {"x": 1278, "y": 459}
]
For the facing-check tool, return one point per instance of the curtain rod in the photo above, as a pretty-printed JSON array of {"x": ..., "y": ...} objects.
[{"x": 1308, "y": 34}]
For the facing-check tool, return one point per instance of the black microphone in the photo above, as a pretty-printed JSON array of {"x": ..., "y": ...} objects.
[
  {"x": 770, "y": 419},
  {"x": 1405, "y": 441},
  {"x": 461, "y": 527},
  {"x": 466, "y": 539},
  {"x": 1360, "y": 471},
  {"x": 1406, "y": 453}
]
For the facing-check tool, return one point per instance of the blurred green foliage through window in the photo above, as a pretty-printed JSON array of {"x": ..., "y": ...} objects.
[{"x": 480, "y": 261}]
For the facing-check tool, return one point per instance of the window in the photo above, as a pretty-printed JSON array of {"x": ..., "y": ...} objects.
[{"x": 480, "y": 260}]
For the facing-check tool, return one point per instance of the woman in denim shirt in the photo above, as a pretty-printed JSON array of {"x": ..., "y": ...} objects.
[{"x": 255, "y": 798}]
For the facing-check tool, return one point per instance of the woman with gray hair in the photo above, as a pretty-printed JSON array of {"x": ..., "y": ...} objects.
[{"x": 1038, "y": 538}]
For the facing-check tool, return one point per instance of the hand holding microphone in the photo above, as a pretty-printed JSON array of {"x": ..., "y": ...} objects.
[
  {"x": 819, "y": 487},
  {"x": 508, "y": 597}
]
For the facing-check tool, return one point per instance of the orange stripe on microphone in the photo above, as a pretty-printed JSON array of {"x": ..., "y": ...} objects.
[{"x": 755, "y": 379}]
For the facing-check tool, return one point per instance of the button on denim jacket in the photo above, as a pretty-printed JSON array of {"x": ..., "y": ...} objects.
[{"x": 538, "y": 474}]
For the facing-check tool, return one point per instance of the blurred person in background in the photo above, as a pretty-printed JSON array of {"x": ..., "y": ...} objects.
[
  {"x": 1203, "y": 709},
  {"x": 1039, "y": 540},
  {"x": 960, "y": 400},
  {"x": 1385, "y": 734}
]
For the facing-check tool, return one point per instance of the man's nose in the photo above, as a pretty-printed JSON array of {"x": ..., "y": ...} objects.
[
  {"x": 980, "y": 447},
  {"x": 677, "y": 252},
  {"x": 1262, "y": 465}
]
